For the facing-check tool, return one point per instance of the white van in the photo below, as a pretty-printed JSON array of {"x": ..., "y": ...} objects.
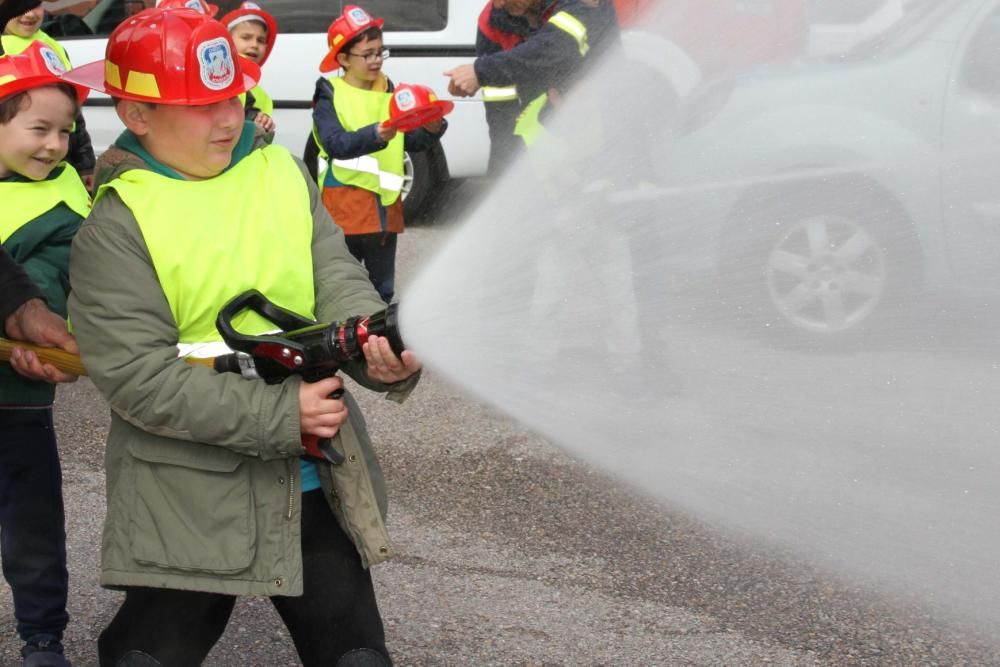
[{"x": 425, "y": 37}]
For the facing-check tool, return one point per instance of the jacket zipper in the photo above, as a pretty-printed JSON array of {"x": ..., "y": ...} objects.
[{"x": 291, "y": 485}]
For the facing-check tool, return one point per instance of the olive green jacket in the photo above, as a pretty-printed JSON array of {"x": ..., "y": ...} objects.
[{"x": 203, "y": 468}]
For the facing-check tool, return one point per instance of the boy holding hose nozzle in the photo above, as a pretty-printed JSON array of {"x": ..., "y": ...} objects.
[{"x": 208, "y": 494}]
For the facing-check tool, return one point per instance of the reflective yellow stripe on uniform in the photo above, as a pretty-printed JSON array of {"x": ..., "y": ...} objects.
[
  {"x": 570, "y": 24},
  {"x": 366, "y": 164},
  {"x": 499, "y": 93}
]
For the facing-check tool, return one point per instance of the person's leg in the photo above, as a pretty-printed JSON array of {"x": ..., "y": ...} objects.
[
  {"x": 337, "y": 612},
  {"x": 32, "y": 530},
  {"x": 356, "y": 244},
  {"x": 176, "y": 628},
  {"x": 380, "y": 260}
]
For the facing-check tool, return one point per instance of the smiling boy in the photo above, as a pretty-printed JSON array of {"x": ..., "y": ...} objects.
[
  {"x": 254, "y": 32},
  {"x": 43, "y": 205}
]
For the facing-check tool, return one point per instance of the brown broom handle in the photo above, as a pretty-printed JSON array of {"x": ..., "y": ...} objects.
[{"x": 63, "y": 360}]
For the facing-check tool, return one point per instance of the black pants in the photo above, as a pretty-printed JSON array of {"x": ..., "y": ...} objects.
[
  {"x": 378, "y": 254},
  {"x": 32, "y": 526},
  {"x": 337, "y": 612}
]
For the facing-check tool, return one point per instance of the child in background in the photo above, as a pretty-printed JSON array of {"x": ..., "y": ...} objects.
[
  {"x": 20, "y": 32},
  {"x": 253, "y": 31},
  {"x": 44, "y": 203},
  {"x": 362, "y": 186}
]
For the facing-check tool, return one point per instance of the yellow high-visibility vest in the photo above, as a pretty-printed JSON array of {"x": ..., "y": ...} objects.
[
  {"x": 13, "y": 44},
  {"x": 247, "y": 228},
  {"x": 380, "y": 172},
  {"x": 23, "y": 201}
]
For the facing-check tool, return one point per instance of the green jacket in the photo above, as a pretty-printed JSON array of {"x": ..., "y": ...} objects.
[
  {"x": 202, "y": 468},
  {"x": 41, "y": 247}
]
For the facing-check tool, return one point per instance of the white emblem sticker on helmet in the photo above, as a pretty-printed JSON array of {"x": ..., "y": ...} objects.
[
  {"x": 359, "y": 16},
  {"x": 52, "y": 61},
  {"x": 251, "y": 5},
  {"x": 196, "y": 5},
  {"x": 405, "y": 99},
  {"x": 216, "y": 60}
]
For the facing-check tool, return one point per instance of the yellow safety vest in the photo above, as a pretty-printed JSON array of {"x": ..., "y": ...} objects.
[
  {"x": 380, "y": 172},
  {"x": 247, "y": 228},
  {"x": 528, "y": 126},
  {"x": 23, "y": 201},
  {"x": 14, "y": 44},
  {"x": 262, "y": 101}
]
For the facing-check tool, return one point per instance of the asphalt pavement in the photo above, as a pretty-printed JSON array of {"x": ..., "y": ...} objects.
[{"x": 514, "y": 553}]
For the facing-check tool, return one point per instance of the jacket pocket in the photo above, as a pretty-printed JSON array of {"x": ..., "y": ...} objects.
[{"x": 193, "y": 507}]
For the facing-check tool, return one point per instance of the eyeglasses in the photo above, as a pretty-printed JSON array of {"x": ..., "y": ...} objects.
[{"x": 370, "y": 58}]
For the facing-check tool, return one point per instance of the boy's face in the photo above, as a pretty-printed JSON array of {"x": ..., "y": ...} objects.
[
  {"x": 250, "y": 38},
  {"x": 37, "y": 138},
  {"x": 196, "y": 141},
  {"x": 353, "y": 60},
  {"x": 27, "y": 24}
]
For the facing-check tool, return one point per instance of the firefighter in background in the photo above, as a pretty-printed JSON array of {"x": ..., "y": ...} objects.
[
  {"x": 570, "y": 34},
  {"x": 499, "y": 31}
]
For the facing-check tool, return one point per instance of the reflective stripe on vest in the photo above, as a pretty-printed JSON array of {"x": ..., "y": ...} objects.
[
  {"x": 528, "y": 127},
  {"x": 248, "y": 228},
  {"x": 23, "y": 201},
  {"x": 572, "y": 25},
  {"x": 380, "y": 172},
  {"x": 499, "y": 94},
  {"x": 14, "y": 44}
]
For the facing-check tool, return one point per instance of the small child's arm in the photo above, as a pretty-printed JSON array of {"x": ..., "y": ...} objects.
[{"x": 338, "y": 142}]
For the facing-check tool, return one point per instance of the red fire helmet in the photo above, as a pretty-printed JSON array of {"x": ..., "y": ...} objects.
[
  {"x": 169, "y": 56},
  {"x": 36, "y": 66},
  {"x": 251, "y": 11},
  {"x": 413, "y": 106},
  {"x": 351, "y": 23},
  {"x": 196, "y": 5}
]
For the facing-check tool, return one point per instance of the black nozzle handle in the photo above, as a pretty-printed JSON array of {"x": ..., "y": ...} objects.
[{"x": 253, "y": 300}]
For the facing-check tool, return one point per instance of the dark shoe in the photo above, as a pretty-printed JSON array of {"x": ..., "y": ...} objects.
[
  {"x": 44, "y": 654},
  {"x": 138, "y": 659},
  {"x": 363, "y": 657}
]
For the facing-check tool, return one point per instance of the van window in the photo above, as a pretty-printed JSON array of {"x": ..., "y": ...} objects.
[{"x": 293, "y": 16}]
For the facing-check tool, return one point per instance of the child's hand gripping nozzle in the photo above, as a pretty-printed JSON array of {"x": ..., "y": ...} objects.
[{"x": 302, "y": 347}]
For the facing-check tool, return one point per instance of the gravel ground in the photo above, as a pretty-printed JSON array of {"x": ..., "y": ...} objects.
[{"x": 516, "y": 554}]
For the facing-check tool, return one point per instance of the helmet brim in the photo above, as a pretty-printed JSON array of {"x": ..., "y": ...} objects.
[
  {"x": 32, "y": 82},
  {"x": 91, "y": 76},
  {"x": 420, "y": 116}
]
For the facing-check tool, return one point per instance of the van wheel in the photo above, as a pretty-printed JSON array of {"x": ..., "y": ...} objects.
[{"x": 419, "y": 177}]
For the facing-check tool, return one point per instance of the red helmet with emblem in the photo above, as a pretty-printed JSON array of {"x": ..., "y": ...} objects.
[
  {"x": 169, "y": 56},
  {"x": 196, "y": 5},
  {"x": 36, "y": 66},
  {"x": 413, "y": 106},
  {"x": 351, "y": 23},
  {"x": 251, "y": 11}
]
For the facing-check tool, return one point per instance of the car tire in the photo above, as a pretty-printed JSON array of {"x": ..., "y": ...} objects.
[
  {"x": 419, "y": 180},
  {"x": 823, "y": 266}
]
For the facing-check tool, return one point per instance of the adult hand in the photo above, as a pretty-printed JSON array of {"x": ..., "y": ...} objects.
[
  {"x": 35, "y": 323},
  {"x": 319, "y": 414},
  {"x": 464, "y": 82},
  {"x": 383, "y": 364}
]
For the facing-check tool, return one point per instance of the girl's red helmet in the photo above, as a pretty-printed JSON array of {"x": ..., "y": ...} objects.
[{"x": 169, "y": 56}]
